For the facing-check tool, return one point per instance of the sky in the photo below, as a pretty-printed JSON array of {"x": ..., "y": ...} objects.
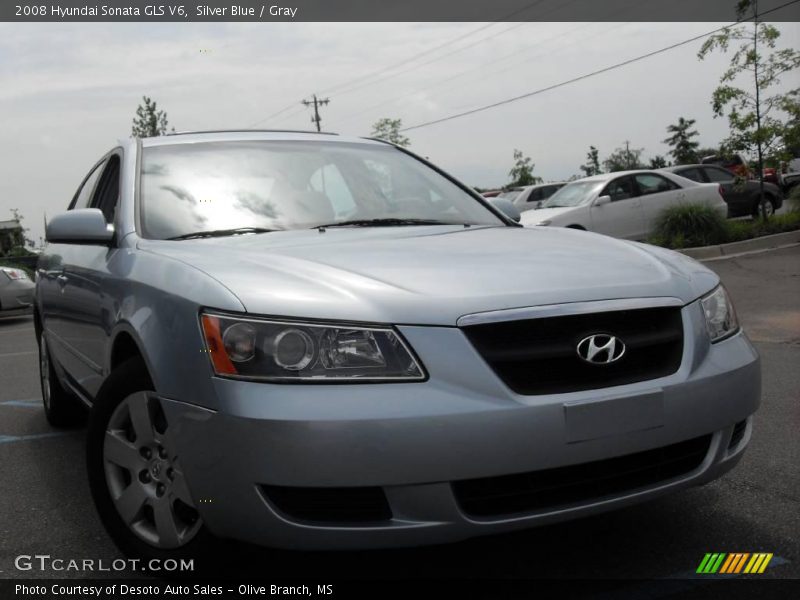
[{"x": 69, "y": 91}]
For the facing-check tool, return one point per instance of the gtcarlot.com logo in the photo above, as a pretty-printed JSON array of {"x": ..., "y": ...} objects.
[
  {"x": 734, "y": 563},
  {"x": 45, "y": 562}
]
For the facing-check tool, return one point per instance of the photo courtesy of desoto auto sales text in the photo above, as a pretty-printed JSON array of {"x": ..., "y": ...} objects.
[{"x": 335, "y": 299}]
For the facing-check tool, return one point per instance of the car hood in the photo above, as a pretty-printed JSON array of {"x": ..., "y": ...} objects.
[
  {"x": 532, "y": 217},
  {"x": 433, "y": 274}
]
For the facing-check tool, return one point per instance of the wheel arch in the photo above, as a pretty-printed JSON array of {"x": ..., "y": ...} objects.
[{"x": 125, "y": 345}]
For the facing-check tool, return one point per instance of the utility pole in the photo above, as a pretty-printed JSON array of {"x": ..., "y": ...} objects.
[
  {"x": 761, "y": 204},
  {"x": 316, "y": 103}
]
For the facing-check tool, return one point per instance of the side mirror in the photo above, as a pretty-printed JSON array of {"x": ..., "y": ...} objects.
[
  {"x": 506, "y": 207},
  {"x": 80, "y": 226},
  {"x": 602, "y": 200}
]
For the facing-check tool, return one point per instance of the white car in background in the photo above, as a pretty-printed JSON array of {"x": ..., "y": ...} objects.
[
  {"x": 625, "y": 204},
  {"x": 529, "y": 197}
]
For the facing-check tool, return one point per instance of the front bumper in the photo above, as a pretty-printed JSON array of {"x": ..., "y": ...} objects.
[{"x": 413, "y": 440}]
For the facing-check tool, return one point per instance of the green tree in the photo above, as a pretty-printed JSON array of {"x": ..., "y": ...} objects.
[
  {"x": 18, "y": 238},
  {"x": 757, "y": 66},
  {"x": 684, "y": 149},
  {"x": 592, "y": 165},
  {"x": 149, "y": 121},
  {"x": 522, "y": 171},
  {"x": 389, "y": 130},
  {"x": 658, "y": 162},
  {"x": 624, "y": 159}
]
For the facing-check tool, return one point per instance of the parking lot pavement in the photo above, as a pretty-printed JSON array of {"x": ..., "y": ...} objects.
[{"x": 45, "y": 506}]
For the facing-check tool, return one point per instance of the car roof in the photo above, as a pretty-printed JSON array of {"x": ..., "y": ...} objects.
[
  {"x": 673, "y": 168},
  {"x": 607, "y": 176},
  {"x": 189, "y": 137}
]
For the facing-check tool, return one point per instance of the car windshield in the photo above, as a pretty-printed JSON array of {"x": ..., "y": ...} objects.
[
  {"x": 259, "y": 186},
  {"x": 510, "y": 194},
  {"x": 573, "y": 194}
]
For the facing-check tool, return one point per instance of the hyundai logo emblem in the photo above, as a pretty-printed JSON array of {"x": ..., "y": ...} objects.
[{"x": 601, "y": 349}]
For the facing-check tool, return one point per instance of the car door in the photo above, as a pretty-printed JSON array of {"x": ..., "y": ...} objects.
[
  {"x": 51, "y": 279},
  {"x": 736, "y": 194},
  {"x": 88, "y": 310},
  {"x": 657, "y": 193},
  {"x": 622, "y": 216}
]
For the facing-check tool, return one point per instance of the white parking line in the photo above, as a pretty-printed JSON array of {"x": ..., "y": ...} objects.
[
  {"x": 7, "y": 439},
  {"x": 17, "y": 353},
  {"x": 32, "y": 403}
]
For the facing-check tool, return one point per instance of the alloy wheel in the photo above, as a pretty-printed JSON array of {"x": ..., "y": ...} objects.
[
  {"x": 144, "y": 476},
  {"x": 766, "y": 208}
]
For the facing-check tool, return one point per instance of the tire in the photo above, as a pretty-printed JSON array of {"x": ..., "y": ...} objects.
[
  {"x": 769, "y": 201},
  {"x": 578, "y": 227},
  {"x": 135, "y": 478},
  {"x": 61, "y": 408}
]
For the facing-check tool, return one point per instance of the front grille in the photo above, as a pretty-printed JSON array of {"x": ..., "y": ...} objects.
[
  {"x": 553, "y": 488},
  {"x": 539, "y": 356},
  {"x": 738, "y": 434},
  {"x": 330, "y": 505}
]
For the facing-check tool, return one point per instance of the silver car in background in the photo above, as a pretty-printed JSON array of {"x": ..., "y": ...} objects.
[
  {"x": 16, "y": 292},
  {"x": 314, "y": 341},
  {"x": 530, "y": 197}
]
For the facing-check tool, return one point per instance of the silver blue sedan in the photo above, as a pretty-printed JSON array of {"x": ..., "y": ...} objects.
[{"x": 314, "y": 341}]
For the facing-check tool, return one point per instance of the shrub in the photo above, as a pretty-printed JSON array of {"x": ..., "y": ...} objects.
[{"x": 689, "y": 225}]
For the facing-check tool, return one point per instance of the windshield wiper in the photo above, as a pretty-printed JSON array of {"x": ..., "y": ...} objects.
[
  {"x": 386, "y": 222},
  {"x": 221, "y": 233}
]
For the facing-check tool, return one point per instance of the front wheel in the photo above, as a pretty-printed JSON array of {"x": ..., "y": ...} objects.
[{"x": 135, "y": 473}]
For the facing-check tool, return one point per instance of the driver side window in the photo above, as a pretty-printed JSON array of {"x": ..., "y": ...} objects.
[
  {"x": 107, "y": 192},
  {"x": 83, "y": 196},
  {"x": 619, "y": 189}
]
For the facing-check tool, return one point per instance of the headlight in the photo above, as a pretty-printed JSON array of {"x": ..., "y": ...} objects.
[
  {"x": 721, "y": 320},
  {"x": 296, "y": 351},
  {"x": 545, "y": 222},
  {"x": 14, "y": 274}
]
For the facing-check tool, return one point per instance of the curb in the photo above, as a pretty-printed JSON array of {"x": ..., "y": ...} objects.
[{"x": 767, "y": 242}]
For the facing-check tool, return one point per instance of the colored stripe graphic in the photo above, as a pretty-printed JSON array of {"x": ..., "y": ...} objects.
[
  {"x": 740, "y": 563},
  {"x": 759, "y": 562},
  {"x": 734, "y": 563},
  {"x": 711, "y": 563},
  {"x": 732, "y": 558},
  {"x": 716, "y": 565},
  {"x": 703, "y": 563}
]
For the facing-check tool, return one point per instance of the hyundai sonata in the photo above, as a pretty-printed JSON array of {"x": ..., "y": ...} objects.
[{"x": 313, "y": 341}]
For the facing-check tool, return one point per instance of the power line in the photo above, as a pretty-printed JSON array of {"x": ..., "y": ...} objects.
[
  {"x": 415, "y": 57},
  {"x": 431, "y": 50},
  {"x": 433, "y": 60},
  {"x": 441, "y": 82},
  {"x": 272, "y": 116},
  {"x": 456, "y": 51},
  {"x": 581, "y": 77}
]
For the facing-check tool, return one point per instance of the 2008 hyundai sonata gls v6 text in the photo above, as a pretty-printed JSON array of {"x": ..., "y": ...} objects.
[{"x": 310, "y": 341}]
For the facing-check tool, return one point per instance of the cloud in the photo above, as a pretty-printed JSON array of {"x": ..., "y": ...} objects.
[{"x": 68, "y": 91}]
